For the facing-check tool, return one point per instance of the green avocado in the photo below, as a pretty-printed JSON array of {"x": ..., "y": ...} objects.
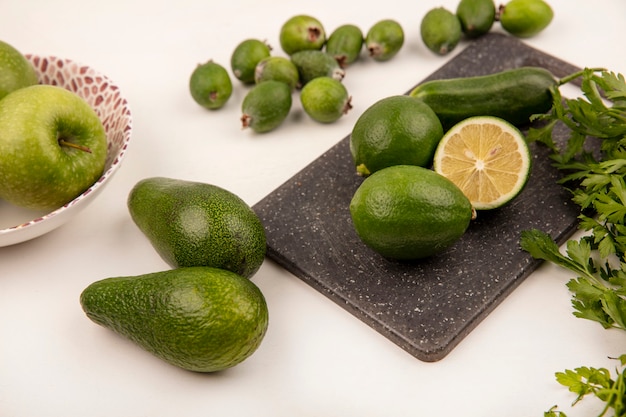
[
  {"x": 198, "y": 224},
  {"x": 198, "y": 318}
]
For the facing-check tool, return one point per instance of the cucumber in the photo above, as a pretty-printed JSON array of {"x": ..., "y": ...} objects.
[{"x": 513, "y": 95}]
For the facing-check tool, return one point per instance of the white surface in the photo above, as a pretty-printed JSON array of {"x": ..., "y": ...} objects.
[{"x": 316, "y": 360}]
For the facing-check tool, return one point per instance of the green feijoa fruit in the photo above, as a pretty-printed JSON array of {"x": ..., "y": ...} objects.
[
  {"x": 440, "y": 30},
  {"x": 15, "y": 70},
  {"x": 325, "y": 99},
  {"x": 313, "y": 63},
  {"x": 476, "y": 16},
  {"x": 345, "y": 44},
  {"x": 525, "y": 18},
  {"x": 199, "y": 319},
  {"x": 301, "y": 32},
  {"x": 266, "y": 106},
  {"x": 277, "y": 68},
  {"x": 384, "y": 39},
  {"x": 192, "y": 223},
  {"x": 210, "y": 85},
  {"x": 245, "y": 58}
]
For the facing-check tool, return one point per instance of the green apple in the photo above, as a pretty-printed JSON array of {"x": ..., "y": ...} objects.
[
  {"x": 15, "y": 70},
  {"x": 53, "y": 147}
]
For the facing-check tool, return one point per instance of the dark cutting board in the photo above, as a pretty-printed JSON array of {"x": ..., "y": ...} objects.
[{"x": 424, "y": 307}]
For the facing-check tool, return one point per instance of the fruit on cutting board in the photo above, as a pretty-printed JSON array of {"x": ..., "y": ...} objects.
[
  {"x": 200, "y": 319},
  {"x": 266, "y": 106},
  {"x": 406, "y": 212},
  {"x": 514, "y": 95},
  {"x": 487, "y": 158},
  {"x": 53, "y": 147},
  {"x": 396, "y": 130},
  {"x": 198, "y": 224},
  {"x": 15, "y": 70},
  {"x": 210, "y": 85}
]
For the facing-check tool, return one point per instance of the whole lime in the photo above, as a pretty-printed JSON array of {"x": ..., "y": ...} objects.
[
  {"x": 200, "y": 319},
  {"x": 15, "y": 70},
  {"x": 407, "y": 212},
  {"x": 396, "y": 130},
  {"x": 210, "y": 85}
]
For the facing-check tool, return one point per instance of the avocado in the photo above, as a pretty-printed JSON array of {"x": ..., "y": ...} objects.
[
  {"x": 200, "y": 319},
  {"x": 193, "y": 223}
]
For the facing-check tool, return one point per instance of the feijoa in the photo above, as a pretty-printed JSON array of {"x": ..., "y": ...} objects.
[
  {"x": 210, "y": 85},
  {"x": 384, "y": 39},
  {"x": 440, "y": 30},
  {"x": 266, "y": 106},
  {"x": 277, "y": 68},
  {"x": 345, "y": 44},
  {"x": 476, "y": 16},
  {"x": 525, "y": 18},
  {"x": 302, "y": 32},
  {"x": 325, "y": 99},
  {"x": 313, "y": 63},
  {"x": 245, "y": 58}
]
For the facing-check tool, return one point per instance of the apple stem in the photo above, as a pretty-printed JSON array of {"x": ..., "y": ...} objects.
[{"x": 63, "y": 142}]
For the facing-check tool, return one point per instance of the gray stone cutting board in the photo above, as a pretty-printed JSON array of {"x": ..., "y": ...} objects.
[{"x": 424, "y": 307}]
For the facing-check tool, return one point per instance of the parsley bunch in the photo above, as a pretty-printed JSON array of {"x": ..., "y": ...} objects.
[{"x": 597, "y": 185}]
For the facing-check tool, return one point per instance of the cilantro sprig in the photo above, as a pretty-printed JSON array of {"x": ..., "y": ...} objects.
[{"x": 596, "y": 181}]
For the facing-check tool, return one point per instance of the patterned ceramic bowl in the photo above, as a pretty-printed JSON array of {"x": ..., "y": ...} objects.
[{"x": 19, "y": 225}]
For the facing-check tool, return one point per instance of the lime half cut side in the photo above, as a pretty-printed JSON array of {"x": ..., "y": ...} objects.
[{"x": 487, "y": 158}]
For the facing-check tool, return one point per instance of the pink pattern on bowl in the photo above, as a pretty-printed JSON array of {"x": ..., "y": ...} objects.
[{"x": 105, "y": 98}]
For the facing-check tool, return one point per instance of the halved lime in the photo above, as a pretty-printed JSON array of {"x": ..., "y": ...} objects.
[{"x": 487, "y": 158}]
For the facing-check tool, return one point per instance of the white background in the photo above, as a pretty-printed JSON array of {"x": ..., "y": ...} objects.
[{"x": 316, "y": 360}]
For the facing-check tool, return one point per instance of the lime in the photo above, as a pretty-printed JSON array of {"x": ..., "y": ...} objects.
[
  {"x": 406, "y": 212},
  {"x": 15, "y": 70},
  {"x": 210, "y": 85},
  {"x": 396, "y": 130},
  {"x": 487, "y": 158},
  {"x": 200, "y": 319}
]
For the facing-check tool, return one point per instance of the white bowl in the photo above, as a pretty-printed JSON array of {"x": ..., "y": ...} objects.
[{"x": 17, "y": 224}]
